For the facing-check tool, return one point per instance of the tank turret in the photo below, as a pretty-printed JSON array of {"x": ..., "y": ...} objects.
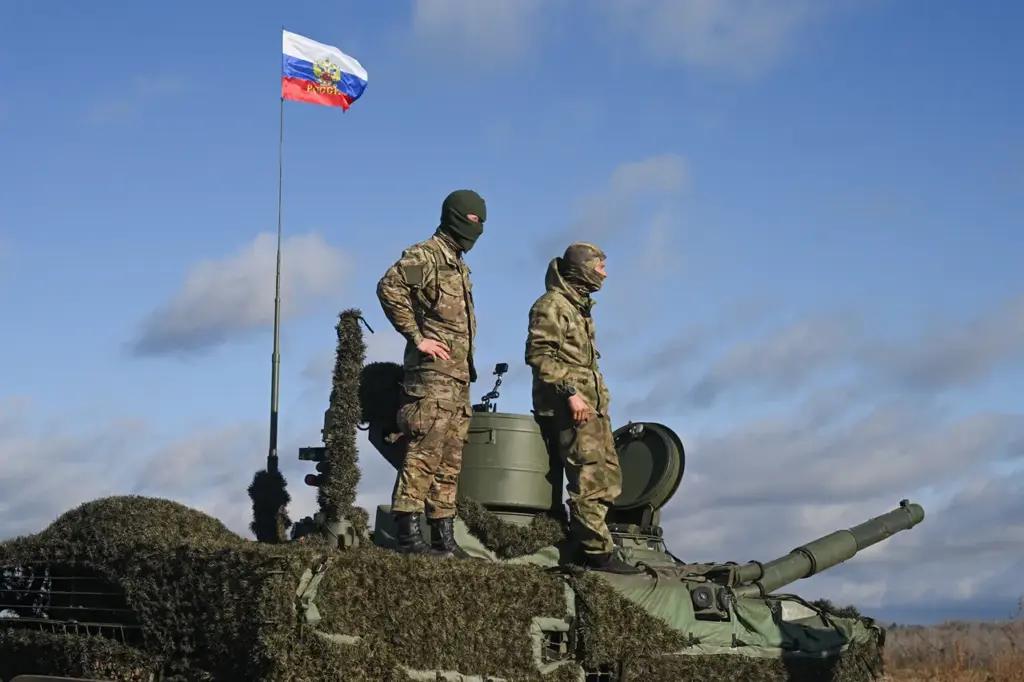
[{"x": 508, "y": 468}]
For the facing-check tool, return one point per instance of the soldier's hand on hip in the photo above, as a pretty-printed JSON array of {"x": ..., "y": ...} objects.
[
  {"x": 434, "y": 349},
  {"x": 579, "y": 408}
]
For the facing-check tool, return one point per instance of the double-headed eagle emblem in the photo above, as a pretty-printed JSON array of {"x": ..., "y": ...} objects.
[{"x": 327, "y": 72}]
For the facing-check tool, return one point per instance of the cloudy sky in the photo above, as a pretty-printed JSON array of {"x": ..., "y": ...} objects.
[{"x": 811, "y": 209}]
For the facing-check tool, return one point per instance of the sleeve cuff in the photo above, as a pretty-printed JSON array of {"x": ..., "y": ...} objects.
[{"x": 562, "y": 388}]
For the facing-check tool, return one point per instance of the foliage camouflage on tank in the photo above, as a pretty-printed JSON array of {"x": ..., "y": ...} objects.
[
  {"x": 204, "y": 603},
  {"x": 269, "y": 494},
  {"x": 337, "y": 494},
  {"x": 126, "y": 587}
]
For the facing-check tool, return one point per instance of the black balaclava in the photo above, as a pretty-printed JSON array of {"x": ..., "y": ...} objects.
[
  {"x": 454, "y": 223},
  {"x": 578, "y": 266}
]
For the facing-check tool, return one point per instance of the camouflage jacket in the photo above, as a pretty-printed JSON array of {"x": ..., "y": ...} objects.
[
  {"x": 427, "y": 294},
  {"x": 561, "y": 350}
]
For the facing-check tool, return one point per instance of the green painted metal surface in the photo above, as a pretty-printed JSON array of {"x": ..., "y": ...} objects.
[
  {"x": 506, "y": 465},
  {"x": 652, "y": 459}
]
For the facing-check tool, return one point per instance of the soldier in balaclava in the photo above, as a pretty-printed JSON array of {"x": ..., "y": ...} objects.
[
  {"x": 570, "y": 399},
  {"x": 428, "y": 298}
]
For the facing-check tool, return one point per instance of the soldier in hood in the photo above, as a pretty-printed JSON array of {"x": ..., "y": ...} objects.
[
  {"x": 570, "y": 399},
  {"x": 428, "y": 298}
]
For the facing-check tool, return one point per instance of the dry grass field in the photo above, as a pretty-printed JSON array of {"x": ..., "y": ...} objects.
[{"x": 957, "y": 652}]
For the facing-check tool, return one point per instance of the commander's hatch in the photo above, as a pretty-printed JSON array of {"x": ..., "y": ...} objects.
[{"x": 652, "y": 459}]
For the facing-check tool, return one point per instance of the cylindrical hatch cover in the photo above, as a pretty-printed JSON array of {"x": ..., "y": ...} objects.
[
  {"x": 652, "y": 459},
  {"x": 506, "y": 465}
]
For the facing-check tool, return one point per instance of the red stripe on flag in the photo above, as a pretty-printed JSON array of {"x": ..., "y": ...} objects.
[{"x": 305, "y": 91}]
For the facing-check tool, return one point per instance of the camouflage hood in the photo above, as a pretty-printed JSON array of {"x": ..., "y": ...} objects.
[
  {"x": 561, "y": 346},
  {"x": 579, "y": 267},
  {"x": 554, "y": 281}
]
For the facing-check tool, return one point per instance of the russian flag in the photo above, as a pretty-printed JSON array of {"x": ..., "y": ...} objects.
[{"x": 319, "y": 74}]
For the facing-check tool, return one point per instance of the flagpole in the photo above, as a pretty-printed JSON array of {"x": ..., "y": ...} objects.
[{"x": 276, "y": 358}]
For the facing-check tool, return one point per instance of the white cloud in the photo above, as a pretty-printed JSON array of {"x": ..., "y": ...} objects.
[
  {"x": 953, "y": 354},
  {"x": 893, "y": 449},
  {"x": 655, "y": 175},
  {"x": 736, "y": 37},
  {"x": 478, "y": 32},
  {"x": 227, "y": 298},
  {"x": 617, "y": 207},
  {"x": 49, "y": 469},
  {"x": 744, "y": 37},
  {"x": 793, "y": 355},
  {"x": 948, "y": 354}
]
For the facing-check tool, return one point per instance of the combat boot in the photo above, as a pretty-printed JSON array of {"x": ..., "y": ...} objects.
[
  {"x": 442, "y": 538},
  {"x": 610, "y": 563},
  {"x": 410, "y": 540}
]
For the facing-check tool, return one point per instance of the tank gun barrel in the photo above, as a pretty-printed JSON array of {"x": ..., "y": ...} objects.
[{"x": 757, "y": 579}]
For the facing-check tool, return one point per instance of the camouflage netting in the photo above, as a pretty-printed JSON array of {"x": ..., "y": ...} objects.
[
  {"x": 217, "y": 607},
  {"x": 849, "y": 611},
  {"x": 269, "y": 494},
  {"x": 96, "y": 658},
  {"x": 206, "y": 599},
  {"x": 211, "y": 604},
  {"x": 508, "y": 540},
  {"x": 859, "y": 663},
  {"x": 336, "y": 497},
  {"x": 469, "y": 616}
]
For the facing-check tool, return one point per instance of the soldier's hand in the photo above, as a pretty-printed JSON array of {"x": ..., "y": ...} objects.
[
  {"x": 434, "y": 349},
  {"x": 579, "y": 408}
]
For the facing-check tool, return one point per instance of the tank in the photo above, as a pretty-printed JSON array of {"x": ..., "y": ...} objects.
[{"x": 139, "y": 588}]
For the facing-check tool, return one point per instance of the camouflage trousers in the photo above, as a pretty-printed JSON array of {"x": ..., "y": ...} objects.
[
  {"x": 592, "y": 473},
  {"x": 434, "y": 418}
]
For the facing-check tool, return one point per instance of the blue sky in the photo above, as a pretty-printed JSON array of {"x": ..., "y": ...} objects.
[{"x": 811, "y": 210}]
